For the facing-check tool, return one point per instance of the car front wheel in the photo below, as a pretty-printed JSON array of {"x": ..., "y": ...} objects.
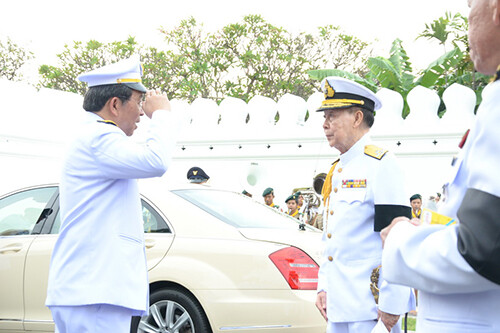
[{"x": 172, "y": 311}]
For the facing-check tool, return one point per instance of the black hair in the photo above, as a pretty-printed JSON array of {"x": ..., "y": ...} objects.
[
  {"x": 368, "y": 115},
  {"x": 96, "y": 97},
  {"x": 415, "y": 197}
]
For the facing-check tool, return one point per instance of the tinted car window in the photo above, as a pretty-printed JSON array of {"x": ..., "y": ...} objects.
[
  {"x": 153, "y": 223},
  {"x": 238, "y": 210},
  {"x": 20, "y": 211}
]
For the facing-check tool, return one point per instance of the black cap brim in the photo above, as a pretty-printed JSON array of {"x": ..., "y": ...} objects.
[{"x": 136, "y": 86}]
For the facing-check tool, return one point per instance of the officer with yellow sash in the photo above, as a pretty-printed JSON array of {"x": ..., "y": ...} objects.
[{"x": 362, "y": 193}]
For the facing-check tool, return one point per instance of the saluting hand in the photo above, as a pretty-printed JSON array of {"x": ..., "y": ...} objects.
[{"x": 155, "y": 100}]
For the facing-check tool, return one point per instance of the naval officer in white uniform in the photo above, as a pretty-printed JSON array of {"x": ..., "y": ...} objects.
[
  {"x": 362, "y": 193},
  {"x": 456, "y": 268},
  {"x": 98, "y": 274}
]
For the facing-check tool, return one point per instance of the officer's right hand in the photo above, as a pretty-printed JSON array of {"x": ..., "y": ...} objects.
[
  {"x": 155, "y": 100},
  {"x": 321, "y": 303},
  {"x": 385, "y": 232},
  {"x": 388, "y": 319}
]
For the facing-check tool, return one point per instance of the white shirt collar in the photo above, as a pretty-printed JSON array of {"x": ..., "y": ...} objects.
[{"x": 356, "y": 149}]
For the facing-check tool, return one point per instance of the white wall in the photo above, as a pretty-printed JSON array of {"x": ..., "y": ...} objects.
[{"x": 37, "y": 125}]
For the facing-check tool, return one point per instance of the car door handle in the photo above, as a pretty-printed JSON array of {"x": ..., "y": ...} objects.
[
  {"x": 12, "y": 248},
  {"x": 149, "y": 243}
]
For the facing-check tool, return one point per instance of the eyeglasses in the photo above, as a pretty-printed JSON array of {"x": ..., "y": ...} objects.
[{"x": 139, "y": 103}]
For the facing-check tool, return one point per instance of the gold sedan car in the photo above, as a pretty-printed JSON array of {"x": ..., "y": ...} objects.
[{"x": 218, "y": 262}]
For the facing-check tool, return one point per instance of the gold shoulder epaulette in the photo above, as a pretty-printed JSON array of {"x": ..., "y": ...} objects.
[{"x": 375, "y": 152}]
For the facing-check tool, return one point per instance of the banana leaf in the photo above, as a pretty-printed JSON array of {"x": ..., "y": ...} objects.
[
  {"x": 438, "y": 68},
  {"x": 320, "y": 74}
]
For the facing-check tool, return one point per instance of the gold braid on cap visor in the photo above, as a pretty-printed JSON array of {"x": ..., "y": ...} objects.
[
  {"x": 132, "y": 80},
  {"x": 338, "y": 103},
  {"x": 128, "y": 80}
]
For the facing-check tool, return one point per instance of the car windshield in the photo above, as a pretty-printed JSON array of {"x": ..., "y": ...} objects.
[{"x": 238, "y": 210}]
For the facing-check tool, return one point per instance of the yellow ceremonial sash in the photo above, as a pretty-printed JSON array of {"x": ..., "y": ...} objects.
[{"x": 327, "y": 185}]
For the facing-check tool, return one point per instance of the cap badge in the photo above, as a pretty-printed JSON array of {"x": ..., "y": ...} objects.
[
  {"x": 195, "y": 172},
  {"x": 328, "y": 91}
]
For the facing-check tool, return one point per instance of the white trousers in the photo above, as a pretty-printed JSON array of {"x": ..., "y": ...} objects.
[
  {"x": 94, "y": 318},
  {"x": 366, "y": 326}
]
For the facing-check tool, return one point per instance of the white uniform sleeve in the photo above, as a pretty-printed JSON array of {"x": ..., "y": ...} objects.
[
  {"x": 119, "y": 157},
  {"x": 427, "y": 259},
  {"x": 394, "y": 299},
  {"x": 390, "y": 183},
  {"x": 484, "y": 155}
]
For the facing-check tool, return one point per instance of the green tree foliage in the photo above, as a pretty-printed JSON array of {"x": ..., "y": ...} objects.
[
  {"x": 242, "y": 60},
  {"x": 12, "y": 58},
  {"x": 454, "y": 66},
  {"x": 253, "y": 57},
  {"x": 339, "y": 50},
  {"x": 267, "y": 60},
  {"x": 83, "y": 57},
  {"x": 393, "y": 73},
  {"x": 397, "y": 74},
  {"x": 197, "y": 62},
  {"x": 445, "y": 27}
]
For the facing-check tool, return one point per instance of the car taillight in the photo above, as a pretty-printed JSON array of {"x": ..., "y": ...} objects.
[{"x": 298, "y": 269}]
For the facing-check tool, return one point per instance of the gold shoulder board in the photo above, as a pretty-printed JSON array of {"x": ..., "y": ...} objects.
[{"x": 375, "y": 152}]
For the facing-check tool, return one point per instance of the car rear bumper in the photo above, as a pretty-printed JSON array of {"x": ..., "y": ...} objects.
[{"x": 262, "y": 310}]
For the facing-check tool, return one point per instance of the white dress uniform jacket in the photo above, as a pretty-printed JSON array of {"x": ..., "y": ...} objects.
[
  {"x": 453, "y": 297},
  {"x": 99, "y": 256},
  {"x": 352, "y": 249}
]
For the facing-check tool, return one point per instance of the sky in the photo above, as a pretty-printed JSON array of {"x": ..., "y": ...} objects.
[{"x": 45, "y": 26}]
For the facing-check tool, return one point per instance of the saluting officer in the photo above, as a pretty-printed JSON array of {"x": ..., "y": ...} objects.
[
  {"x": 98, "y": 274},
  {"x": 456, "y": 268},
  {"x": 362, "y": 193}
]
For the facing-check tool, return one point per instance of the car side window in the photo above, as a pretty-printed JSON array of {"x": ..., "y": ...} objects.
[
  {"x": 20, "y": 211},
  {"x": 153, "y": 223}
]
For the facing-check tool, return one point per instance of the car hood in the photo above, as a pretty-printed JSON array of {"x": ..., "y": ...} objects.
[{"x": 308, "y": 241}]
